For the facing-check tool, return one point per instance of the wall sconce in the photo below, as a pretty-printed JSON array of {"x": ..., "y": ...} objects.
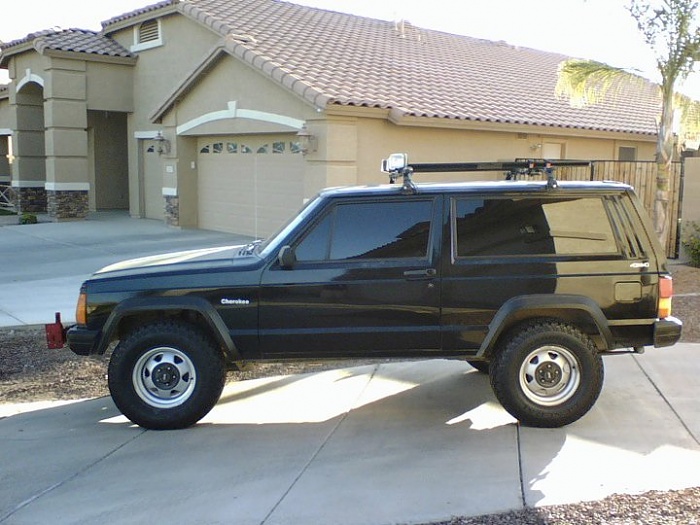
[
  {"x": 307, "y": 141},
  {"x": 534, "y": 147},
  {"x": 162, "y": 144}
]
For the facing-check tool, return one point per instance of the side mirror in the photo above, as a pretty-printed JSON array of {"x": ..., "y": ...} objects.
[{"x": 287, "y": 257}]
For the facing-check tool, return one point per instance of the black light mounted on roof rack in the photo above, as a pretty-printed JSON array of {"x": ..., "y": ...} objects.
[{"x": 397, "y": 166}]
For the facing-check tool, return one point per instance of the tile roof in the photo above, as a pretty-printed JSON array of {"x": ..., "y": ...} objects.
[
  {"x": 337, "y": 58},
  {"x": 138, "y": 12},
  {"x": 332, "y": 58},
  {"x": 73, "y": 40}
]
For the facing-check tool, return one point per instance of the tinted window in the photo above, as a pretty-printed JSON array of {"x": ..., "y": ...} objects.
[
  {"x": 314, "y": 246},
  {"x": 488, "y": 227},
  {"x": 370, "y": 230}
]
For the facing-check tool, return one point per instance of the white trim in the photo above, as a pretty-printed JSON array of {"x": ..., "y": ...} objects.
[
  {"x": 169, "y": 192},
  {"x": 142, "y": 46},
  {"x": 5, "y": 131},
  {"x": 146, "y": 45},
  {"x": 5, "y": 178},
  {"x": 146, "y": 135},
  {"x": 233, "y": 112},
  {"x": 29, "y": 77},
  {"x": 28, "y": 183},
  {"x": 67, "y": 186}
]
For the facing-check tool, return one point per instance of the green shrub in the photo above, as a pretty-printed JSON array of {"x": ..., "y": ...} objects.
[
  {"x": 28, "y": 218},
  {"x": 691, "y": 242}
]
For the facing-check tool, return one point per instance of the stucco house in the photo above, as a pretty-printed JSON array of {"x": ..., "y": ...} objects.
[{"x": 227, "y": 114}]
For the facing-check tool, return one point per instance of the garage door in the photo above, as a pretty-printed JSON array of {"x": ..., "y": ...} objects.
[{"x": 249, "y": 184}]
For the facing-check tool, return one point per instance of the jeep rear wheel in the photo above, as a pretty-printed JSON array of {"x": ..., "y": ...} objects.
[
  {"x": 548, "y": 374},
  {"x": 166, "y": 376}
]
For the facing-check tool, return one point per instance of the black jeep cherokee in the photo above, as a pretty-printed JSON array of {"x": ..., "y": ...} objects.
[{"x": 528, "y": 281}]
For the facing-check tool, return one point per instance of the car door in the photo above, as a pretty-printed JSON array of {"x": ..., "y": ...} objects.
[{"x": 364, "y": 282}]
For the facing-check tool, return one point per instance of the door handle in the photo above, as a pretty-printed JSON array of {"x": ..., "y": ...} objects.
[{"x": 425, "y": 273}]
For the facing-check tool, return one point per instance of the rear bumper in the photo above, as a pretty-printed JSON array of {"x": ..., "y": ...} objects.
[
  {"x": 667, "y": 331},
  {"x": 83, "y": 341}
]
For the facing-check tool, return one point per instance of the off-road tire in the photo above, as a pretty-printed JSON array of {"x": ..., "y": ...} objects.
[
  {"x": 166, "y": 375},
  {"x": 547, "y": 374}
]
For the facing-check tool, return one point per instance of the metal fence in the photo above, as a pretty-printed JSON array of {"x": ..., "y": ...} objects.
[{"x": 7, "y": 197}]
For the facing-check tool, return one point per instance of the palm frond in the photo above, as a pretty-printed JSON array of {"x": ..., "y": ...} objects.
[{"x": 587, "y": 82}]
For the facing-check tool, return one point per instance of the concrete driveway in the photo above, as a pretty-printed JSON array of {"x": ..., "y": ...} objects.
[
  {"x": 43, "y": 265},
  {"x": 404, "y": 442}
]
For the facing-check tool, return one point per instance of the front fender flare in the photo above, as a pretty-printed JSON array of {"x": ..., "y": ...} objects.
[{"x": 137, "y": 305}]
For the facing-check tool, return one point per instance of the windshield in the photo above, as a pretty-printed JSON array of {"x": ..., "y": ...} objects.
[{"x": 273, "y": 243}]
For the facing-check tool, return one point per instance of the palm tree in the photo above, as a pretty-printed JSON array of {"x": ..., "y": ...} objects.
[{"x": 669, "y": 28}]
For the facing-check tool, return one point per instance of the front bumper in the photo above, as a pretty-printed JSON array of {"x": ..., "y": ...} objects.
[
  {"x": 667, "y": 331},
  {"x": 83, "y": 341}
]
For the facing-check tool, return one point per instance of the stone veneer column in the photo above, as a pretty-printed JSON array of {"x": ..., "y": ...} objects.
[
  {"x": 172, "y": 210},
  {"x": 28, "y": 198},
  {"x": 29, "y": 165},
  {"x": 67, "y": 204},
  {"x": 67, "y": 167}
]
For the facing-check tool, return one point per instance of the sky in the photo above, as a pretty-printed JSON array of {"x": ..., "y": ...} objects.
[{"x": 601, "y": 30}]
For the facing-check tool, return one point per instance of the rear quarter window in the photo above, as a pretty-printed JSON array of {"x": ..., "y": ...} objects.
[{"x": 532, "y": 226}]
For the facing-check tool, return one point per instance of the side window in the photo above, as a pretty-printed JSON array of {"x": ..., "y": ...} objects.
[
  {"x": 517, "y": 227},
  {"x": 314, "y": 246},
  {"x": 370, "y": 230}
]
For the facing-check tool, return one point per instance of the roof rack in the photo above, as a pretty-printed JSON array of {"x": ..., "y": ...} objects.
[{"x": 397, "y": 166}]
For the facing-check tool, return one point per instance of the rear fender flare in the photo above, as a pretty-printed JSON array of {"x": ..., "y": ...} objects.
[{"x": 526, "y": 307}]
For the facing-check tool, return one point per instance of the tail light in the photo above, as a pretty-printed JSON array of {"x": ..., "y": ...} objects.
[{"x": 665, "y": 296}]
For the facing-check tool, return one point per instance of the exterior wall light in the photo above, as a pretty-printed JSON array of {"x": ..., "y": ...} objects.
[
  {"x": 162, "y": 144},
  {"x": 307, "y": 141}
]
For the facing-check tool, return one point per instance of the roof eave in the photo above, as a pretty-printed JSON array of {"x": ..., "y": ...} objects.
[
  {"x": 116, "y": 24},
  {"x": 400, "y": 118},
  {"x": 183, "y": 87},
  {"x": 89, "y": 57},
  {"x": 15, "y": 50}
]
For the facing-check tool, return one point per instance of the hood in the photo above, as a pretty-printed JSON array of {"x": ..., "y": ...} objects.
[{"x": 203, "y": 255}]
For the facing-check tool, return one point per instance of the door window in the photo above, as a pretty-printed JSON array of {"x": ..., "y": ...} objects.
[{"x": 370, "y": 230}]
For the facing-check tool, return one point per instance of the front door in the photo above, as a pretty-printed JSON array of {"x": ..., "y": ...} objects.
[{"x": 365, "y": 282}]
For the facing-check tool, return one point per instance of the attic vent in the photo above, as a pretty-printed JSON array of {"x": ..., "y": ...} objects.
[{"x": 149, "y": 31}]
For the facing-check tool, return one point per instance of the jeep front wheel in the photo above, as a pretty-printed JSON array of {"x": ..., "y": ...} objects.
[
  {"x": 166, "y": 376},
  {"x": 548, "y": 374}
]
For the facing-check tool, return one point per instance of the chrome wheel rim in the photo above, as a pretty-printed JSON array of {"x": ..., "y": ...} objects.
[
  {"x": 164, "y": 377},
  {"x": 550, "y": 375}
]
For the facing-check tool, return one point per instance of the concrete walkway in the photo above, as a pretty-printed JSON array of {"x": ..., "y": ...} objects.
[{"x": 404, "y": 442}]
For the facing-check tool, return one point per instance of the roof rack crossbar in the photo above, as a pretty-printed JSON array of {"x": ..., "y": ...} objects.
[
  {"x": 397, "y": 166},
  {"x": 537, "y": 165}
]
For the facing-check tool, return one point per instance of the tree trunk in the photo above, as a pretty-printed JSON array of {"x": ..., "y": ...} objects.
[{"x": 664, "y": 158}]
